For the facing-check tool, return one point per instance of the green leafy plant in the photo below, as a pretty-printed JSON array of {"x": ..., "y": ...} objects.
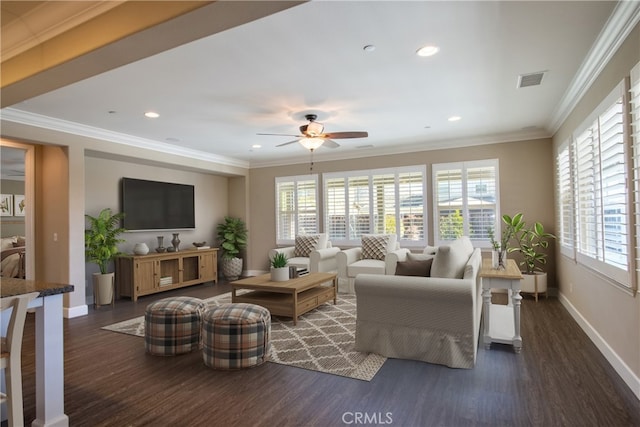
[
  {"x": 232, "y": 234},
  {"x": 101, "y": 238},
  {"x": 530, "y": 241},
  {"x": 279, "y": 260}
]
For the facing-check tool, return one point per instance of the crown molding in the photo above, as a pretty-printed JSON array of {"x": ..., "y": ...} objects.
[
  {"x": 440, "y": 144},
  {"x": 623, "y": 19},
  {"x": 46, "y": 122}
]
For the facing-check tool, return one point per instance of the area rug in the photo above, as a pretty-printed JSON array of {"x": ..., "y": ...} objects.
[{"x": 323, "y": 340}]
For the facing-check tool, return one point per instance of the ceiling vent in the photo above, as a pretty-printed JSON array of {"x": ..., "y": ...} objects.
[{"x": 532, "y": 79}]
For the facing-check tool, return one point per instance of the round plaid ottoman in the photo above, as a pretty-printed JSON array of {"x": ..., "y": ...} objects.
[
  {"x": 235, "y": 336},
  {"x": 172, "y": 326}
]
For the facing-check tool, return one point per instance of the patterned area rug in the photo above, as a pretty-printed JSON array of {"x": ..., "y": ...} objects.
[{"x": 323, "y": 339}]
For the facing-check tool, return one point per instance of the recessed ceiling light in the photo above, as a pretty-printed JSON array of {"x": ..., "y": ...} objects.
[
  {"x": 256, "y": 146},
  {"x": 151, "y": 114},
  {"x": 369, "y": 48},
  {"x": 454, "y": 118},
  {"x": 427, "y": 51}
]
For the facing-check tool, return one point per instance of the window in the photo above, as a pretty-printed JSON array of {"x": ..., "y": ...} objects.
[
  {"x": 634, "y": 93},
  {"x": 466, "y": 200},
  {"x": 601, "y": 193},
  {"x": 296, "y": 207},
  {"x": 387, "y": 201},
  {"x": 565, "y": 203}
]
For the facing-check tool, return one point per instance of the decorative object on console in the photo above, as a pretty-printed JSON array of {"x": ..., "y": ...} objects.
[
  {"x": 232, "y": 234},
  {"x": 500, "y": 249},
  {"x": 141, "y": 249},
  {"x": 101, "y": 247},
  {"x": 530, "y": 242},
  {"x": 279, "y": 269},
  {"x": 199, "y": 244},
  {"x": 176, "y": 241},
  {"x": 160, "y": 247}
]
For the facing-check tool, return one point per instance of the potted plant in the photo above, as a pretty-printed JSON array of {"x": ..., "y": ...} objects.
[
  {"x": 100, "y": 243},
  {"x": 279, "y": 269},
  {"x": 232, "y": 234},
  {"x": 531, "y": 241}
]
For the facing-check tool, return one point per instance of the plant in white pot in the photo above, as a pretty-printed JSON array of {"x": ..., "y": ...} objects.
[
  {"x": 101, "y": 247},
  {"x": 530, "y": 243},
  {"x": 232, "y": 234},
  {"x": 279, "y": 269}
]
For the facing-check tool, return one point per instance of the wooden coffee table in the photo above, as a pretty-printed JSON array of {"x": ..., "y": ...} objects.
[{"x": 291, "y": 298}]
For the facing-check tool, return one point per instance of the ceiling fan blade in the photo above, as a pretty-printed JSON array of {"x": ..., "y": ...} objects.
[
  {"x": 281, "y": 134},
  {"x": 343, "y": 135},
  {"x": 287, "y": 143},
  {"x": 330, "y": 143}
]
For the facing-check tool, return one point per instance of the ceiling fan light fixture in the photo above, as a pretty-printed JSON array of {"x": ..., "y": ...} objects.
[
  {"x": 311, "y": 143},
  {"x": 314, "y": 128}
]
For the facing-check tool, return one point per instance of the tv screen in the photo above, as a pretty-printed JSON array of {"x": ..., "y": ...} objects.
[{"x": 153, "y": 205}]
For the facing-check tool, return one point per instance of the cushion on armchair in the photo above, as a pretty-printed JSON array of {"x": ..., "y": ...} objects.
[
  {"x": 451, "y": 259},
  {"x": 376, "y": 246},
  {"x": 305, "y": 243},
  {"x": 416, "y": 267}
]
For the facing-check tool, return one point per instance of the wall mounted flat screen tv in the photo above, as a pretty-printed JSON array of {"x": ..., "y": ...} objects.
[{"x": 153, "y": 205}]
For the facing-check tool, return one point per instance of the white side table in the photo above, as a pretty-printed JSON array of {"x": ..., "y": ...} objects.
[{"x": 501, "y": 323}]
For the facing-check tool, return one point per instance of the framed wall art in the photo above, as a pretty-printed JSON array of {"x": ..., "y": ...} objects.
[
  {"x": 6, "y": 205},
  {"x": 18, "y": 205}
]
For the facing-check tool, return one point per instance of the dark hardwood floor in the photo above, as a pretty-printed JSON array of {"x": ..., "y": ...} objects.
[{"x": 559, "y": 379}]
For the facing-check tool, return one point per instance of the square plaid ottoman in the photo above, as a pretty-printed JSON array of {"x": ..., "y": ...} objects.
[
  {"x": 235, "y": 336},
  {"x": 173, "y": 326}
]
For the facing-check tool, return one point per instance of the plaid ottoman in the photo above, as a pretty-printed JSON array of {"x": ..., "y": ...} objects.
[
  {"x": 172, "y": 326},
  {"x": 235, "y": 336}
]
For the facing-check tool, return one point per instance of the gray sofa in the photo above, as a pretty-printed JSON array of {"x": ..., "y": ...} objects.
[{"x": 432, "y": 319}]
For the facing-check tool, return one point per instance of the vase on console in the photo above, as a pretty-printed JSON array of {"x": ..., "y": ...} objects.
[
  {"x": 160, "y": 247},
  {"x": 176, "y": 241}
]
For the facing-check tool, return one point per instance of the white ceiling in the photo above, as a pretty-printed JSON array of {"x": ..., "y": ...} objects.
[{"x": 215, "y": 94}]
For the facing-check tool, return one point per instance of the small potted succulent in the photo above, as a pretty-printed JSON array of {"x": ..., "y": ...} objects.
[{"x": 279, "y": 269}]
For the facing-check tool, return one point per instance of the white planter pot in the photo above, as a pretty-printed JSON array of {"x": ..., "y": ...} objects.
[
  {"x": 280, "y": 274},
  {"x": 534, "y": 283},
  {"x": 103, "y": 288},
  {"x": 232, "y": 268}
]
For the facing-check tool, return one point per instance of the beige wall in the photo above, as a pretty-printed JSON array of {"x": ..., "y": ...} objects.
[
  {"x": 11, "y": 226},
  {"x": 526, "y": 185},
  {"x": 608, "y": 314},
  {"x": 102, "y": 190},
  {"x": 59, "y": 177}
]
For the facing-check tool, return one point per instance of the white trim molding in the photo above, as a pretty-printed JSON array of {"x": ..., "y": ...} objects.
[
  {"x": 627, "y": 375},
  {"x": 621, "y": 22}
]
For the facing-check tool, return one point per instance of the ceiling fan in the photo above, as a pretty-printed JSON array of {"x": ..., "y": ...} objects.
[{"x": 312, "y": 136}]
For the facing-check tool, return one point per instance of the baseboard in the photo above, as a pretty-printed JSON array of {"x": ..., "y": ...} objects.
[
  {"x": 77, "y": 311},
  {"x": 627, "y": 375},
  {"x": 250, "y": 273}
]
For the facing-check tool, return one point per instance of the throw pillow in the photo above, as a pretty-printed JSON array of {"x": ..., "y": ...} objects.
[
  {"x": 451, "y": 259},
  {"x": 20, "y": 242},
  {"x": 305, "y": 244},
  {"x": 418, "y": 257},
  {"x": 414, "y": 268},
  {"x": 376, "y": 246}
]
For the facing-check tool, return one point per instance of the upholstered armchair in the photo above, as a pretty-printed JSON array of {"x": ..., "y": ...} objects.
[
  {"x": 378, "y": 254},
  {"x": 311, "y": 251}
]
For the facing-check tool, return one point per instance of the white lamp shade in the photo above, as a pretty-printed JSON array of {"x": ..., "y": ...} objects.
[
  {"x": 311, "y": 143},
  {"x": 314, "y": 128}
]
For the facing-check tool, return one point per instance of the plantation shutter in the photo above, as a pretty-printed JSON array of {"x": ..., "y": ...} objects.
[
  {"x": 296, "y": 207},
  {"x": 634, "y": 93},
  {"x": 564, "y": 182}
]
